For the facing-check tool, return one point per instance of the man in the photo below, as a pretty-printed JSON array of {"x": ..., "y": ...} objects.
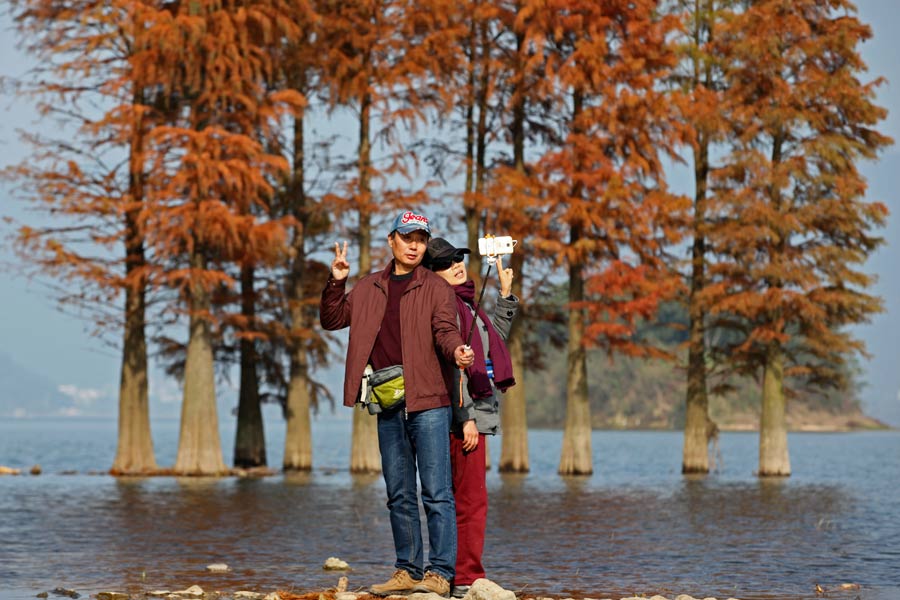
[{"x": 404, "y": 315}]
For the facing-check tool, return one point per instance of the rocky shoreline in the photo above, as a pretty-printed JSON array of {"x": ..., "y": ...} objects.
[
  {"x": 481, "y": 589},
  {"x": 160, "y": 472}
]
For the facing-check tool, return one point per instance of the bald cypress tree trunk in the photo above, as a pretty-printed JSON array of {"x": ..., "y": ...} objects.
[
  {"x": 514, "y": 422},
  {"x": 695, "y": 455},
  {"x": 199, "y": 445},
  {"x": 365, "y": 456},
  {"x": 298, "y": 432},
  {"x": 134, "y": 453},
  {"x": 773, "y": 447},
  {"x": 576, "y": 458},
  {"x": 298, "y": 436},
  {"x": 250, "y": 438}
]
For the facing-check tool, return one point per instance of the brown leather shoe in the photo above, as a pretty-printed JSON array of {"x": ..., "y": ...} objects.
[
  {"x": 399, "y": 583},
  {"x": 434, "y": 583}
]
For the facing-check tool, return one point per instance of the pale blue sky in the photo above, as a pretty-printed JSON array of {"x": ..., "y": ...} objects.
[{"x": 43, "y": 340}]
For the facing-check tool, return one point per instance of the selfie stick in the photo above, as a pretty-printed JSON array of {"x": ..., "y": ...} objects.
[
  {"x": 491, "y": 260},
  {"x": 480, "y": 296}
]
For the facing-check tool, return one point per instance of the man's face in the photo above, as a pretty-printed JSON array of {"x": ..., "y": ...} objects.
[{"x": 408, "y": 249}]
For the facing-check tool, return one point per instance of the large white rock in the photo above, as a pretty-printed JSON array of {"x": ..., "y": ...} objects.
[
  {"x": 335, "y": 564},
  {"x": 485, "y": 589},
  {"x": 684, "y": 597},
  {"x": 195, "y": 591},
  {"x": 424, "y": 596}
]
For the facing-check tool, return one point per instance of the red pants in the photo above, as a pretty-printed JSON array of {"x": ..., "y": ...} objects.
[{"x": 470, "y": 491}]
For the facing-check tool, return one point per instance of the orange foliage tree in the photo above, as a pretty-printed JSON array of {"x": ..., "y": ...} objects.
[
  {"x": 798, "y": 226},
  {"x": 302, "y": 70},
  {"x": 213, "y": 62},
  {"x": 92, "y": 181},
  {"x": 280, "y": 296},
  {"x": 510, "y": 200},
  {"x": 606, "y": 215},
  {"x": 702, "y": 90},
  {"x": 188, "y": 166}
]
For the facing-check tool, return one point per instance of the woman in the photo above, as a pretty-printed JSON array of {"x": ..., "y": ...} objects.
[{"x": 475, "y": 401}]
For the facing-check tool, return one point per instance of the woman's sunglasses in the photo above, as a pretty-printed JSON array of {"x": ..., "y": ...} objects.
[{"x": 446, "y": 263}]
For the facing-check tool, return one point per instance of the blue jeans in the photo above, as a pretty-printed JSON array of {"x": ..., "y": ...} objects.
[{"x": 407, "y": 440}]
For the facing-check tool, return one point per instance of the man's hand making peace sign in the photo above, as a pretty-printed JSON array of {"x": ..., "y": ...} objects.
[{"x": 340, "y": 268}]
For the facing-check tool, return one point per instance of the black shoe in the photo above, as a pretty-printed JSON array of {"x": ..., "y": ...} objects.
[{"x": 459, "y": 591}]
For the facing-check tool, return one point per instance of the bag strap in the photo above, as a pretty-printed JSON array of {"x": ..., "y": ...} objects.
[{"x": 364, "y": 385}]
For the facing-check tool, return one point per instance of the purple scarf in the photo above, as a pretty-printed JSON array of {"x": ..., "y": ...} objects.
[{"x": 479, "y": 383}]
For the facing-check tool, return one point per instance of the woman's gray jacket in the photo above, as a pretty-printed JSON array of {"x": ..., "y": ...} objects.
[{"x": 485, "y": 411}]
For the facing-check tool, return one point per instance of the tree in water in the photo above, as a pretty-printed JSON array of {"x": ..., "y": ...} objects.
[
  {"x": 90, "y": 55},
  {"x": 790, "y": 276},
  {"x": 217, "y": 170},
  {"x": 699, "y": 81},
  {"x": 606, "y": 214}
]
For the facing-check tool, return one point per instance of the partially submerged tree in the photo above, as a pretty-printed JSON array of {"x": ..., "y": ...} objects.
[
  {"x": 302, "y": 284},
  {"x": 699, "y": 80},
  {"x": 607, "y": 216},
  {"x": 91, "y": 79},
  {"x": 798, "y": 226},
  {"x": 513, "y": 210},
  {"x": 217, "y": 169}
]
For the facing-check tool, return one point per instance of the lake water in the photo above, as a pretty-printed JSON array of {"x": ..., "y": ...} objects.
[{"x": 637, "y": 526}]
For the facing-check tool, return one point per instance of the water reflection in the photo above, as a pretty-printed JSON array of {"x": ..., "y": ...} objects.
[
  {"x": 274, "y": 530},
  {"x": 701, "y": 537},
  {"x": 297, "y": 477},
  {"x": 626, "y": 530}
]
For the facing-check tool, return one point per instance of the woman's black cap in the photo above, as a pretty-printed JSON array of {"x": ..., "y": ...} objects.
[{"x": 441, "y": 254}]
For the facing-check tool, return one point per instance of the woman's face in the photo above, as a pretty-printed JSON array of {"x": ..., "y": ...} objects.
[{"x": 455, "y": 274}]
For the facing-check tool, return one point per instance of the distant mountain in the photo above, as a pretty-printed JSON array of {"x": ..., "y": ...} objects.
[
  {"x": 24, "y": 393},
  {"x": 636, "y": 393}
]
